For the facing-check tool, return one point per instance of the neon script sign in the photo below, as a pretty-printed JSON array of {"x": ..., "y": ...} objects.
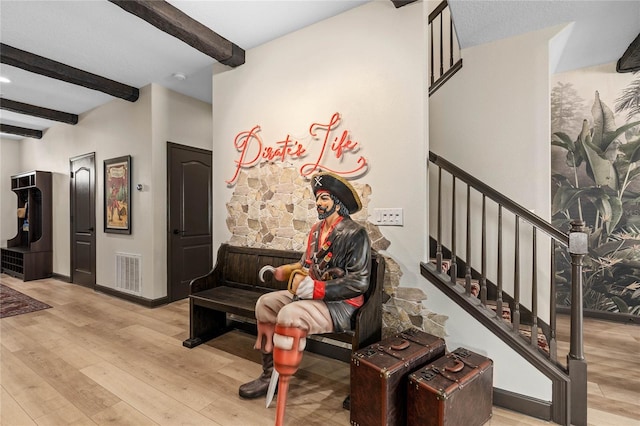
[{"x": 253, "y": 150}]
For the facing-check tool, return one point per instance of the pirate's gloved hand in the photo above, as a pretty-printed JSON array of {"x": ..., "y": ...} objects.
[
  {"x": 332, "y": 274},
  {"x": 314, "y": 271},
  {"x": 305, "y": 288},
  {"x": 282, "y": 273}
]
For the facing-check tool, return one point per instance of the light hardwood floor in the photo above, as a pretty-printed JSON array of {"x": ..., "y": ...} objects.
[{"x": 95, "y": 359}]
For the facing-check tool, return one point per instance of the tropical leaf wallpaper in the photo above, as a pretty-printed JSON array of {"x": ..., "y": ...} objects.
[{"x": 595, "y": 152}]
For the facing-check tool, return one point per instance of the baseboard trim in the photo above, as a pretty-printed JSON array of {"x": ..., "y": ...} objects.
[
  {"x": 149, "y": 303},
  {"x": 522, "y": 404},
  {"x": 603, "y": 315},
  {"x": 60, "y": 277}
]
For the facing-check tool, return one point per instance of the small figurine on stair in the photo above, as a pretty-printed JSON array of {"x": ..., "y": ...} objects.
[{"x": 326, "y": 288}]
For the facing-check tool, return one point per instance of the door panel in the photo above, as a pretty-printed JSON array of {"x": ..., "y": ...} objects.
[
  {"x": 190, "y": 217},
  {"x": 195, "y": 205},
  {"x": 83, "y": 220},
  {"x": 200, "y": 257}
]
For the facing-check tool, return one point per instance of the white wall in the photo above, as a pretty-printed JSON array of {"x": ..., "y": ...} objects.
[
  {"x": 500, "y": 99},
  {"x": 140, "y": 129},
  {"x": 492, "y": 119},
  {"x": 369, "y": 65},
  {"x": 179, "y": 119},
  {"x": 9, "y": 165}
]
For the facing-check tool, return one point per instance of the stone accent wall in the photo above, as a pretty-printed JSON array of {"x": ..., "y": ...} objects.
[{"x": 272, "y": 206}]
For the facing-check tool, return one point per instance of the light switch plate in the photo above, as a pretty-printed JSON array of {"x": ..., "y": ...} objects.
[{"x": 388, "y": 216}]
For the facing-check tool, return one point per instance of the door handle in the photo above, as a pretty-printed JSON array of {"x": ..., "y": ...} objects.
[
  {"x": 177, "y": 231},
  {"x": 91, "y": 229}
]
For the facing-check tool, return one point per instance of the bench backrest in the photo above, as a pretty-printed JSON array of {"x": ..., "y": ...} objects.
[{"x": 239, "y": 266}]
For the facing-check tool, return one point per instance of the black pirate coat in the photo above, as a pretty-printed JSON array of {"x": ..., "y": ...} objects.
[{"x": 340, "y": 268}]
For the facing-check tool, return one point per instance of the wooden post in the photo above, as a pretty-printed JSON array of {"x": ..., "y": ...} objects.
[{"x": 576, "y": 363}]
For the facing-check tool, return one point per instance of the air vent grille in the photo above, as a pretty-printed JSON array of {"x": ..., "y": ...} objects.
[{"x": 128, "y": 272}]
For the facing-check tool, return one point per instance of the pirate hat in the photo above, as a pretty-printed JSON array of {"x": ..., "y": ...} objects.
[{"x": 339, "y": 187}]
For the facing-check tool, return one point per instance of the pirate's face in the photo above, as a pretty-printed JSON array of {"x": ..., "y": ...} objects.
[{"x": 325, "y": 205}]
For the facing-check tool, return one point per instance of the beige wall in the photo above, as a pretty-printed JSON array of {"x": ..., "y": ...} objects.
[
  {"x": 492, "y": 119},
  {"x": 369, "y": 65},
  {"x": 9, "y": 165},
  {"x": 179, "y": 119},
  {"x": 140, "y": 129}
]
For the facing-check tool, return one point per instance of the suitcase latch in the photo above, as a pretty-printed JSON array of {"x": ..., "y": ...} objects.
[
  {"x": 429, "y": 374},
  {"x": 463, "y": 353}
]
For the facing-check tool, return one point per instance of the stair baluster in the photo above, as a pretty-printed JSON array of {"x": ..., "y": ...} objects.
[
  {"x": 515, "y": 314},
  {"x": 534, "y": 291}
]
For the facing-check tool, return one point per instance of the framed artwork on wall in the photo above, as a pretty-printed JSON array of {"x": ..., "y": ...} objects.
[{"x": 117, "y": 195}]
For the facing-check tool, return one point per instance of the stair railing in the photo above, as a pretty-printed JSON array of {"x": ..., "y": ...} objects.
[
  {"x": 573, "y": 397},
  {"x": 449, "y": 61}
]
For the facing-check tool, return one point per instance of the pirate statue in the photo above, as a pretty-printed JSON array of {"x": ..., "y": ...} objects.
[{"x": 326, "y": 287}]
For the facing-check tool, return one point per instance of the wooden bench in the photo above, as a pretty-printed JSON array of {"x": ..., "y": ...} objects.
[{"x": 225, "y": 299}]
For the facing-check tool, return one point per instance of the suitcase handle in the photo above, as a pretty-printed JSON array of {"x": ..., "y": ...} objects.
[
  {"x": 457, "y": 367},
  {"x": 401, "y": 345}
]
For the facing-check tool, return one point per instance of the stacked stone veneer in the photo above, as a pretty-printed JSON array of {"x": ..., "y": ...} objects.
[{"x": 272, "y": 206}]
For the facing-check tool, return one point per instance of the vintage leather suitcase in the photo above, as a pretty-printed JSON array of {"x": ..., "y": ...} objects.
[
  {"x": 379, "y": 376},
  {"x": 455, "y": 390}
]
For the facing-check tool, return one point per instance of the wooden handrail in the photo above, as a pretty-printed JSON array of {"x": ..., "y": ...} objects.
[
  {"x": 501, "y": 199},
  {"x": 438, "y": 11}
]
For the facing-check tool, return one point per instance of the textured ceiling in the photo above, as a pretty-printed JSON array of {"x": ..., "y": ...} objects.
[{"x": 600, "y": 33}]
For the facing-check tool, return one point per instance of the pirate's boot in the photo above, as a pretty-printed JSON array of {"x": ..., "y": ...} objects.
[{"x": 258, "y": 387}]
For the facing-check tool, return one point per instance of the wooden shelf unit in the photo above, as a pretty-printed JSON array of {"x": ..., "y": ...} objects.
[{"x": 29, "y": 255}]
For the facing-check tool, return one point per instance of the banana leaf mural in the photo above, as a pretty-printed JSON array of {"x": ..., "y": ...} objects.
[{"x": 600, "y": 184}]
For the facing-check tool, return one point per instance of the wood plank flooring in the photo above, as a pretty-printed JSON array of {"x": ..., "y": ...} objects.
[{"x": 97, "y": 360}]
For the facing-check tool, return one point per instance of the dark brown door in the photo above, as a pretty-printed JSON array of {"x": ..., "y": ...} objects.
[
  {"x": 190, "y": 217},
  {"x": 83, "y": 220}
]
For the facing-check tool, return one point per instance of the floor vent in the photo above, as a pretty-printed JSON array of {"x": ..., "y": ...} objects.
[{"x": 128, "y": 272}]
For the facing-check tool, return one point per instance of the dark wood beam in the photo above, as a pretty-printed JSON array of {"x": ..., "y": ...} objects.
[
  {"x": 36, "y": 111},
  {"x": 37, "y": 64},
  {"x": 400, "y": 3},
  {"x": 630, "y": 60},
  {"x": 21, "y": 131},
  {"x": 173, "y": 21}
]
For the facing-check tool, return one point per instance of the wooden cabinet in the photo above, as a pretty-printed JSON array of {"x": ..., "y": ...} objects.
[{"x": 29, "y": 255}]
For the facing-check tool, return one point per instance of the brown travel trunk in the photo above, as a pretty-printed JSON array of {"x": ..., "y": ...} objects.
[
  {"x": 454, "y": 390},
  {"x": 379, "y": 376}
]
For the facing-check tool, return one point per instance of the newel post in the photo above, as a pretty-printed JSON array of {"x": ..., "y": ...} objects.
[{"x": 577, "y": 365}]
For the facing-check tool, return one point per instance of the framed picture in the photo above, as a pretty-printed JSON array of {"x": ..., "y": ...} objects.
[{"x": 117, "y": 195}]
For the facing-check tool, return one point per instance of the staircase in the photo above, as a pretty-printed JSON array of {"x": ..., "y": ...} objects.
[
  {"x": 506, "y": 269},
  {"x": 501, "y": 274}
]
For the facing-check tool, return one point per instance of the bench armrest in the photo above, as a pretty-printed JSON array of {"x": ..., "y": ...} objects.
[
  {"x": 368, "y": 326},
  {"x": 214, "y": 278},
  {"x": 204, "y": 282}
]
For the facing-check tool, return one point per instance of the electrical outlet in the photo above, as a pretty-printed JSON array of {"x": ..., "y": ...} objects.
[{"x": 388, "y": 217}]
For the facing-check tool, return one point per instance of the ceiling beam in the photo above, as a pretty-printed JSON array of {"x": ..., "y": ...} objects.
[
  {"x": 630, "y": 60},
  {"x": 21, "y": 131},
  {"x": 173, "y": 21},
  {"x": 36, "y": 111},
  {"x": 400, "y": 3},
  {"x": 50, "y": 68}
]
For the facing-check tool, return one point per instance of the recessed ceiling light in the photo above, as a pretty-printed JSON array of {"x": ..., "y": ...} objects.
[
  {"x": 179, "y": 76},
  {"x": 4, "y": 80}
]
